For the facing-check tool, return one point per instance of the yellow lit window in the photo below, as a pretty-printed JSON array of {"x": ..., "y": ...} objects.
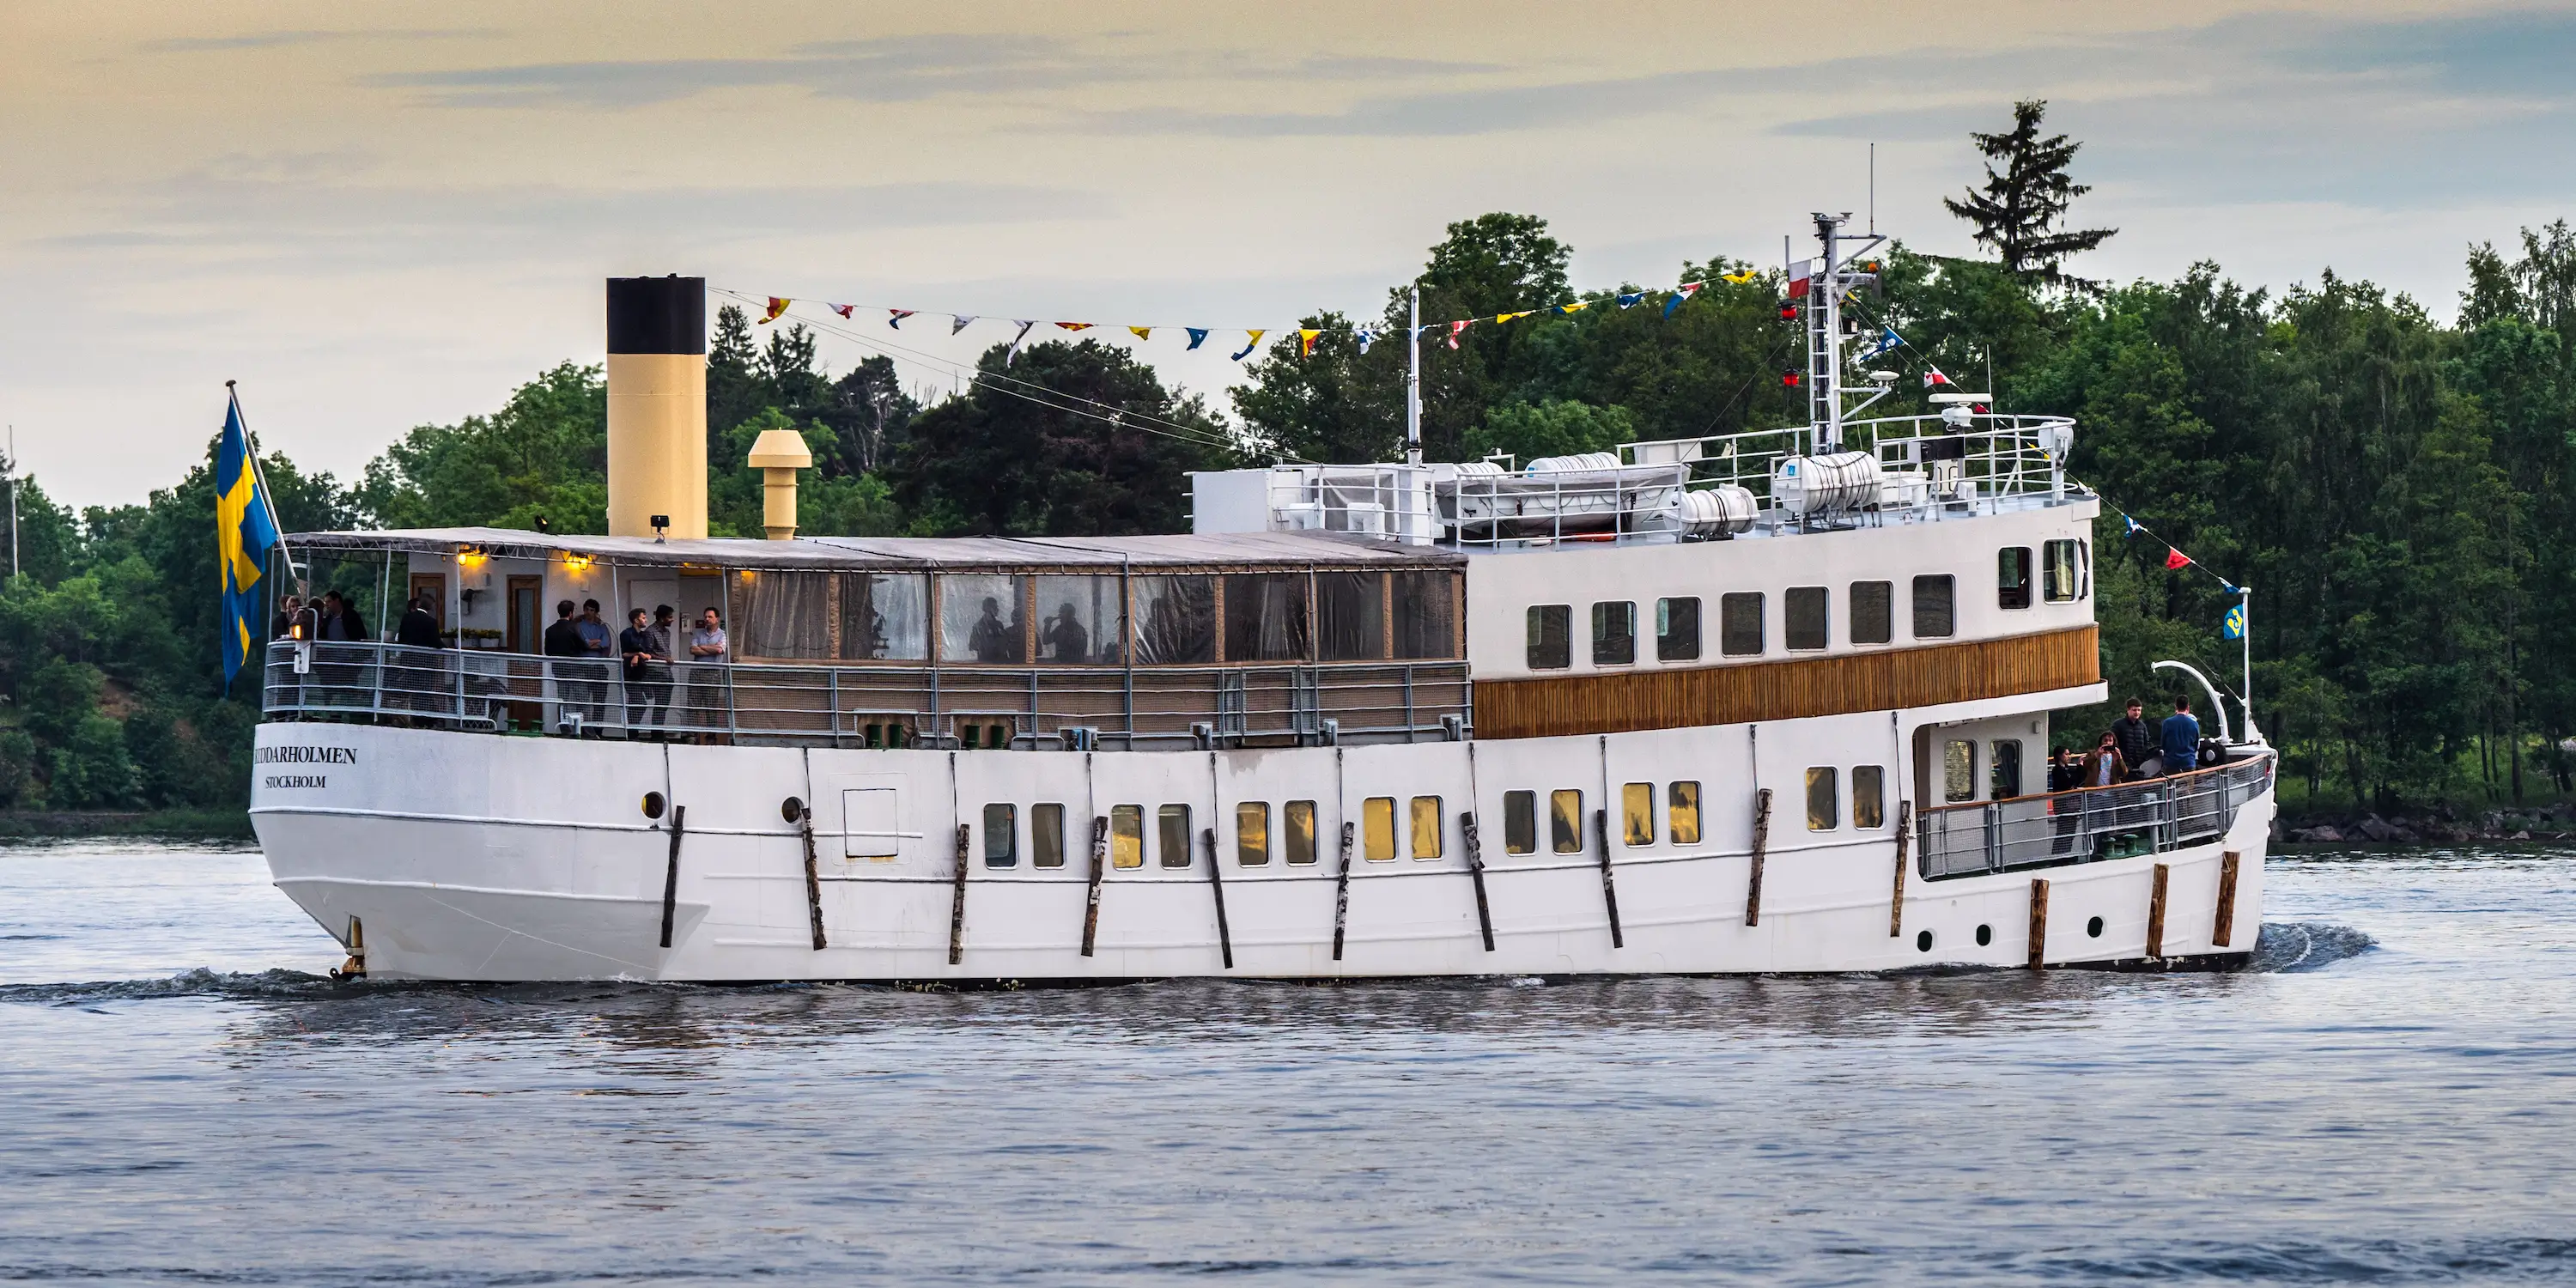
[
  {"x": 1377, "y": 827},
  {"x": 1824, "y": 799},
  {"x": 1252, "y": 834},
  {"x": 1301, "y": 832},
  {"x": 1869, "y": 796},
  {"x": 1126, "y": 836},
  {"x": 1426, "y": 827},
  {"x": 1681, "y": 813},
  {"x": 1637, "y": 812},
  {"x": 1565, "y": 821}
]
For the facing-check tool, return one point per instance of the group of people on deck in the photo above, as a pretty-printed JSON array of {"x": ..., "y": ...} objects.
[{"x": 2132, "y": 749}]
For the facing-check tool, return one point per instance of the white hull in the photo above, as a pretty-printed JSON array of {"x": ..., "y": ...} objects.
[{"x": 475, "y": 857}]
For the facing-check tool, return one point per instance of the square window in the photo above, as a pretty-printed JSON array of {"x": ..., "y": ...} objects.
[
  {"x": 1677, "y": 629},
  {"x": 1126, "y": 836},
  {"x": 1520, "y": 822},
  {"x": 1873, "y": 612},
  {"x": 1252, "y": 834},
  {"x": 1172, "y": 839},
  {"x": 1426, "y": 827},
  {"x": 1425, "y": 614},
  {"x": 1869, "y": 796},
  {"x": 1806, "y": 624},
  {"x": 1046, "y": 836},
  {"x": 2060, "y": 583},
  {"x": 1300, "y": 820},
  {"x": 1265, "y": 617},
  {"x": 1681, "y": 813},
  {"x": 1377, "y": 828},
  {"x": 2012, "y": 577},
  {"x": 1350, "y": 616},
  {"x": 1933, "y": 615},
  {"x": 1001, "y": 836},
  {"x": 1565, "y": 821},
  {"x": 1958, "y": 771},
  {"x": 1824, "y": 799},
  {"x": 1637, "y": 812},
  {"x": 1739, "y": 623},
  {"x": 1551, "y": 646},
  {"x": 1614, "y": 634}
]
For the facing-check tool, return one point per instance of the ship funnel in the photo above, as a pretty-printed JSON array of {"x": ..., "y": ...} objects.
[{"x": 657, "y": 406}]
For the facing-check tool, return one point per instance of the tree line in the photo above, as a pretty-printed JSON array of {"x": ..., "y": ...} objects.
[{"x": 2397, "y": 489}]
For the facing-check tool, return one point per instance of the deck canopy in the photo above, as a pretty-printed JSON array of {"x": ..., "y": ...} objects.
[{"x": 919, "y": 554}]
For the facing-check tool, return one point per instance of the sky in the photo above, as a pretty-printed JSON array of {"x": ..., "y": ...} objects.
[{"x": 380, "y": 216}]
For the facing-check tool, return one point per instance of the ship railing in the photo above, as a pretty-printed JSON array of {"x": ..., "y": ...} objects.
[
  {"x": 873, "y": 705},
  {"x": 1932, "y": 465},
  {"x": 1614, "y": 504},
  {"x": 2090, "y": 824}
]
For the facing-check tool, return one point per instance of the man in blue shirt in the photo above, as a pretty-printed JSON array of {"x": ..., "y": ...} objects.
[{"x": 2181, "y": 739}]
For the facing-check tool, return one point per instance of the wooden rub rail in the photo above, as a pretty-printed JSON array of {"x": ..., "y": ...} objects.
[{"x": 1790, "y": 690}]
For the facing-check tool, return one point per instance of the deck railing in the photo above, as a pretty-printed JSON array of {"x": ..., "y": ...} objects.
[
  {"x": 2151, "y": 816},
  {"x": 1928, "y": 462},
  {"x": 863, "y": 706}
]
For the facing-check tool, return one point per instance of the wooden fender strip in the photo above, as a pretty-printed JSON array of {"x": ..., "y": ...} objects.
[
  {"x": 2038, "y": 923},
  {"x": 1896, "y": 902},
  {"x": 671, "y": 880},
  {"x": 813, "y": 873},
  {"x": 1476, "y": 873},
  {"x": 956, "y": 904},
  {"x": 1099, "y": 861},
  {"x": 1609, "y": 892},
  {"x": 1216, "y": 886},
  {"x": 2156, "y": 913},
  {"x": 1761, "y": 842},
  {"x": 2225, "y": 933},
  {"x": 1342, "y": 892}
]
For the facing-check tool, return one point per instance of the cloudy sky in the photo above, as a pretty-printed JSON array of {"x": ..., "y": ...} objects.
[{"x": 378, "y": 216}]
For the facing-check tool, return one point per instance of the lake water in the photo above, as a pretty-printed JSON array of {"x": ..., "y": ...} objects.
[{"x": 2387, "y": 1098}]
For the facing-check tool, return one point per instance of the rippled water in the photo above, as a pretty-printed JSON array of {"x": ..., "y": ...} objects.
[{"x": 2386, "y": 1098}]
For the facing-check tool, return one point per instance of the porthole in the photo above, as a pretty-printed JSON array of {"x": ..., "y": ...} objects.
[
  {"x": 1923, "y": 942},
  {"x": 791, "y": 809},
  {"x": 2094, "y": 927},
  {"x": 1985, "y": 935},
  {"x": 652, "y": 804}
]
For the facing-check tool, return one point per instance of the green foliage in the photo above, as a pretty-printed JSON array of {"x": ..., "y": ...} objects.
[
  {"x": 1556, "y": 427},
  {"x": 544, "y": 454},
  {"x": 2017, "y": 212}
]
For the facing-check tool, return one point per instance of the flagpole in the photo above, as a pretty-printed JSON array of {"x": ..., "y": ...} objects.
[
  {"x": 1413, "y": 379},
  {"x": 250, "y": 448},
  {"x": 2245, "y": 638}
]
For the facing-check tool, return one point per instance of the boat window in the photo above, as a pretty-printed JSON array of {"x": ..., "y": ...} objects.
[
  {"x": 1681, "y": 813},
  {"x": 1265, "y": 617},
  {"x": 2012, "y": 577},
  {"x": 1520, "y": 822},
  {"x": 1126, "y": 836},
  {"x": 983, "y": 618},
  {"x": 1252, "y": 834},
  {"x": 885, "y": 617},
  {"x": 1426, "y": 827},
  {"x": 1172, "y": 835},
  {"x": 1426, "y": 615},
  {"x": 1377, "y": 828},
  {"x": 1046, "y": 836},
  {"x": 1805, "y": 607},
  {"x": 1958, "y": 771},
  {"x": 1873, "y": 612},
  {"x": 1824, "y": 799},
  {"x": 1739, "y": 624},
  {"x": 1637, "y": 812},
  {"x": 1550, "y": 625},
  {"x": 2059, "y": 582},
  {"x": 1933, "y": 618},
  {"x": 1079, "y": 621},
  {"x": 1001, "y": 836},
  {"x": 1350, "y": 616},
  {"x": 2003, "y": 768},
  {"x": 1869, "y": 796},
  {"x": 1565, "y": 821},
  {"x": 1677, "y": 629},
  {"x": 1614, "y": 634},
  {"x": 1175, "y": 620},
  {"x": 782, "y": 614},
  {"x": 1300, "y": 820}
]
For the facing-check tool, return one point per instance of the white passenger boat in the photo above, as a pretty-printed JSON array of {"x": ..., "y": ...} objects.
[{"x": 1775, "y": 701}]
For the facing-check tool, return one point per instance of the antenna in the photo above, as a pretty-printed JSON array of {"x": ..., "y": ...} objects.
[
  {"x": 1873, "y": 187},
  {"x": 1413, "y": 379}
]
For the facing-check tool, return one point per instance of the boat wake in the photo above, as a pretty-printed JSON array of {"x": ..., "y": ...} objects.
[
  {"x": 200, "y": 982},
  {"x": 2292, "y": 946}
]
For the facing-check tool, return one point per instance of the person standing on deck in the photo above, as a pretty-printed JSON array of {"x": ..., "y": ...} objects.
[
  {"x": 2181, "y": 740},
  {"x": 595, "y": 648},
  {"x": 707, "y": 672},
  {"x": 2136, "y": 740},
  {"x": 572, "y": 685}
]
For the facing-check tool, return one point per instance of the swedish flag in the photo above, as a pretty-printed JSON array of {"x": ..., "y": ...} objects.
[{"x": 244, "y": 534}]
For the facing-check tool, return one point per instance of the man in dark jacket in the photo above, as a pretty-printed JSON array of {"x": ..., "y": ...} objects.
[
  {"x": 2135, "y": 738},
  {"x": 648, "y": 673},
  {"x": 420, "y": 683},
  {"x": 573, "y": 680},
  {"x": 2181, "y": 739},
  {"x": 419, "y": 627}
]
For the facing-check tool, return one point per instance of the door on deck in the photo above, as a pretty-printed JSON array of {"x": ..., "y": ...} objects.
[
  {"x": 523, "y": 630},
  {"x": 434, "y": 585}
]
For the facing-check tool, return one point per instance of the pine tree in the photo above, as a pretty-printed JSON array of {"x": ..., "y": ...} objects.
[{"x": 2018, "y": 211}]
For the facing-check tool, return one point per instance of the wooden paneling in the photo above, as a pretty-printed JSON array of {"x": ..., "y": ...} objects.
[{"x": 1713, "y": 695}]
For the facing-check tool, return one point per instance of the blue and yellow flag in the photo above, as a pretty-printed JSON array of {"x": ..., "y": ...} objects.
[
  {"x": 243, "y": 538},
  {"x": 2232, "y": 626}
]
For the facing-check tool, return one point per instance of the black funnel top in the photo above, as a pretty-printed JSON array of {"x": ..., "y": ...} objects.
[{"x": 657, "y": 315}]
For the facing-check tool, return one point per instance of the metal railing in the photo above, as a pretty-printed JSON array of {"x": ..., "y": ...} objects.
[
  {"x": 1929, "y": 461},
  {"x": 2094, "y": 823},
  {"x": 1170, "y": 707}
]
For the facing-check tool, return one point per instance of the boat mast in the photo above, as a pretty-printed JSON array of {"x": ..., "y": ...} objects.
[
  {"x": 1413, "y": 379},
  {"x": 1824, "y": 343}
]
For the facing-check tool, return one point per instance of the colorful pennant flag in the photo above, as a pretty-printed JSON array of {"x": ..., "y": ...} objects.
[
  {"x": 1682, "y": 296},
  {"x": 1885, "y": 343},
  {"x": 1506, "y": 317},
  {"x": 2232, "y": 626},
  {"x": 1367, "y": 337},
  {"x": 1018, "y": 340},
  {"x": 776, "y": 307},
  {"x": 1801, "y": 275},
  {"x": 1578, "y": 306},
  {"x": 957, "y": 322},
  {"x": 1629, "y": 300},
  {"x": 1075, "y": 326},
  {"x": 2134, "y": 526},
  {"x": 1457, "y": 329},
  {"x": 845, "y": 310},
  {"x": 1141, "y": 332},
  {"x": 899, "y": 315},
  {"x": 1739, "y": 278},
  {"x": 1933, "y": 379},
  {"x": 2176, "y": 559},
  {"x": 1306, "y": 342},
  {"x": 1198, "y": 335},
  {"x": 1250, "y": 345}
]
